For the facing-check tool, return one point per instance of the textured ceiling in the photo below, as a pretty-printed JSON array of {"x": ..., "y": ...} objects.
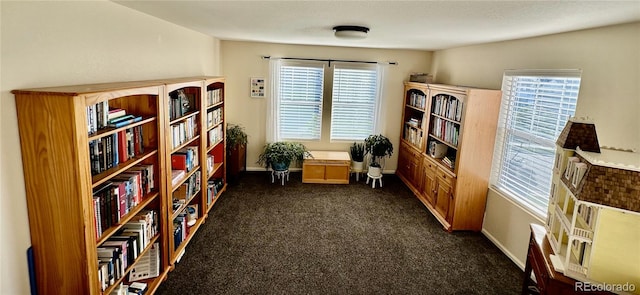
[{"x": 425, "y": 25}]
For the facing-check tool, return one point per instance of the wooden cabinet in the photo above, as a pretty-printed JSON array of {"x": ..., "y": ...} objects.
[
  {"x": 97, "y": 169},
  {"x": 326, "y": 167},
  {"x": 429, "y": 185},
  {"x": 409, "y": 165},
  {"x": 451, "y": 131},
  {"x": 444, "y": 195}
]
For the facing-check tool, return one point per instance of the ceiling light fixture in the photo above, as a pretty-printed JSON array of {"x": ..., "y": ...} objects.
[{"x": 350, "y": 32}]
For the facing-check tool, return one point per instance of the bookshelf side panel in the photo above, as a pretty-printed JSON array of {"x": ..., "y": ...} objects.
[{"x": 58, "y": 192}]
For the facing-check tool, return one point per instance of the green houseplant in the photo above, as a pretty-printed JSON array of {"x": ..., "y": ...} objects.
[
  {"x": 357, "y": 156},
  {"x": 236, "y": 139},
  {"x": 379, "y": 147},
  {"x": 279, "y": 155}
]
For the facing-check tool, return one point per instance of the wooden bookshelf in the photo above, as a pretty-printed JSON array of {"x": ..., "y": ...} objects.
[
  {"x": 61, "y": 139},
  {"x": 462, "y": 122}
]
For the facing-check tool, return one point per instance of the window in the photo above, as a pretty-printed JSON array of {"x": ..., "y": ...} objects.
[
  {"x": 297, "y": 101},
  {"x": 354, "y": 102},
  {"x": 300, "y": 111},
  {"x": 535, "y": 108}
]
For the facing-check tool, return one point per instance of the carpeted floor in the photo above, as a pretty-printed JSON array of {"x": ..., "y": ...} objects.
[{"x": 264, "y": 238}]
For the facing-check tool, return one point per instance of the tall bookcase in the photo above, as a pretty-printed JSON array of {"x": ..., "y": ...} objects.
[
  {"x": 99, "y": 193},
  {"x": 447, "y": 137}
]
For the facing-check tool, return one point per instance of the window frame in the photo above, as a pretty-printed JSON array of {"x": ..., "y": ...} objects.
[
  {"x": 507, "y": 134},
  {"x": 377, "y": 91},
  {"x": 274, "y": 102}
]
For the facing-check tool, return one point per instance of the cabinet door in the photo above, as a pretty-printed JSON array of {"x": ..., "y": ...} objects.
[
  {"x": 443, "y": 199},
  {"x": 416, "y": 172},
  {"x": 313, "y": 172},
  {"x": 403, "y": 163},
  {"x": 429, "y": 181}
]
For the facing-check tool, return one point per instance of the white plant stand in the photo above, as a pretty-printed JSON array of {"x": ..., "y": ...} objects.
[
  {"x": 378, "y": 178},
  {"x": 280, "y": 174}
]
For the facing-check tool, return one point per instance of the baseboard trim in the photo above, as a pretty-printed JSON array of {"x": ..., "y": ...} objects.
[
  {"x": 503, "y": 249},
  {"x": 260, "y": 169}
]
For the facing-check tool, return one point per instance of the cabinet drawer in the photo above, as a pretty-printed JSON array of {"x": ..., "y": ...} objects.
[
  {"x": 430, "y": 165},
  {"x": 445, "y": 176}
]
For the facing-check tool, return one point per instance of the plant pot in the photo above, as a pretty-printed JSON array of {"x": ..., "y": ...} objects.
[
  {"x": 356, "y": 166},
  {"x": 279, "y": 166},
  {"x": 375, "y": 171}
]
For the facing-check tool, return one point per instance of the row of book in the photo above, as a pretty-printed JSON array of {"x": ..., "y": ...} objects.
[
  {"x": 210, "y": 163},
  {"x": 449, "y": 161},
  {"x": 412, "y": 135},
  {"x": 122, "y": 249},
  {"x": 137, "y": 288},
  {"x": 214, "y": 117},
  {"x": 187, "y": 190},
  {"x": 181, "y": 104},
  {"x": 445, "y": 130},
  {"x": 185, "y": 158},
  {"x": 109, "y": 151},
  {"x": 415, "y": 123},
  {"x": 214, "y": 96},
  {"x": 100, "y": 116},
  {"x": 417, "y": 100},
  {"x": 114, "y": 199},
  {"x": 215, "y": 135},
  {"x": 213, "y": 187},
  {"x": 447, "y": 106},
  {"x": 183, "y": 131},
  {"x": 180, "y": 229}
]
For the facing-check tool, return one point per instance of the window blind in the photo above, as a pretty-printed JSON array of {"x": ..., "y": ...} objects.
[
  {"x": 300, "y": 90},
  {"x": 535, "y": 108},
  {"x": 354, "y": 102}
]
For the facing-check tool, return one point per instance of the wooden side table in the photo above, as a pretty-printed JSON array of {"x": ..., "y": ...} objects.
[{"x": 548, "y": 280}]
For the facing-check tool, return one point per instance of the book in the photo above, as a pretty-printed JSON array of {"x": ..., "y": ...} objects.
[
  {"x": 176, "y": 175},
  {"x": 125, "y": 122},
  {"x": 115, "y": 113}
]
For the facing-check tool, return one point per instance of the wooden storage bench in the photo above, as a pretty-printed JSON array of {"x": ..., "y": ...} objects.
[{"x": 326, "y": 167}]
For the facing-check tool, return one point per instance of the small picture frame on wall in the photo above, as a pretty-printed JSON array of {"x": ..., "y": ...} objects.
[{"x": 257, "y": 87}]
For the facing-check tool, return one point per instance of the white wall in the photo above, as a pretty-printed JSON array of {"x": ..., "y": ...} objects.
[
  {"x": 242, "y": 60},
  {"x": 55, "y": 43},
  {"x": 609, "y": 94}
]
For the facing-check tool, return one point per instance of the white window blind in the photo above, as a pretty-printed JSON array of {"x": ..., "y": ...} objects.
[
  {"x": 354, "y": 104},
  {"x": 300, "y": 109},
  {"x": 535, "y": 108}
]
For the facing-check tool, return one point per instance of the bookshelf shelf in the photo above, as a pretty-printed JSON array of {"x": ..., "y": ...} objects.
[
  {"x": 93, "y": 191},
  {"x": 184, "y": 206},
  {"x": 431, "y": 155},
  {"x": 110, "y": 130},
  {"x": 215, "y": 105},
  {"x": 107, "y": 175},
  {"x": 192, "y": 230},
  {"x": 130, "y": 267},
  {"x": 415, "y": 108},
  {"x": 174, "y": 187},
  {"x": 186, "y": 116},
  {"x": 127, "y": 217},
  {"x": 445, "y": 118}
]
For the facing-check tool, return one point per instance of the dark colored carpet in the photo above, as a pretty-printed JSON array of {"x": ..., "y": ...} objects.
[{"x": 264, "y": 238}]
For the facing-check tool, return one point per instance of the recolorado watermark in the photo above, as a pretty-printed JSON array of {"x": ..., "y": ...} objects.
[{"x": 599, "y": 287}]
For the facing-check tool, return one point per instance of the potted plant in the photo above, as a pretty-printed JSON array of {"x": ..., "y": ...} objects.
[
  {"x": 357, "y": 156},
  {"x": 236, "y": 139},
  {"x": 279, "y": 155},
  {"x": 379, "y": 147}
]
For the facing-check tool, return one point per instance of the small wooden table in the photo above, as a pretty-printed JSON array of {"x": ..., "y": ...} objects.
[
  {"x": 326, "y": 167},
  {"x": 548, "y": 280}
]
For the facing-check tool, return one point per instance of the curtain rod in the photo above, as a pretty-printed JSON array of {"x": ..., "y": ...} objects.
[{"x": 332, "y": 60}]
